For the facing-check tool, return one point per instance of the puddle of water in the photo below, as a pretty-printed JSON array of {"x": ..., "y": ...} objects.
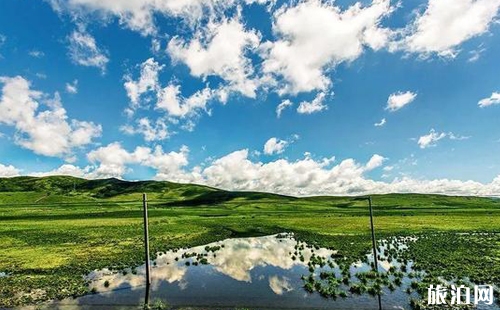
[{"x": 260, "y": 272}]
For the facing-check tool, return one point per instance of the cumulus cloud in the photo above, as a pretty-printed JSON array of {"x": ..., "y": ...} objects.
[
  {"x": 433, "y": 137},
  {"x": 146, "y": 83},
  {"x": 72, "y": 88},
  {"x": 139, "y": 15},
  {"x": 171, "y": 101},
  {"x": 315, "y": 36},
  {"x": 275, "y": 146},
  {"x": 220, "y": 51},
  {"x": 445, "y": 24},
  {"x": 236, "y": 171},
  {"x": 492, "y": 100},
  {"x": 388, "y": 168},
  {"x": 83, "y": 50},
  {"x": 307, "y": 176},
  {"x": 112, "y": 160},
  {"x": 282, "y": 106},
  {"x": 314, "y": 106},
  {"x": 8, "y": 171},
  {"x": 430, "y": 139},
  {"x": 46, "y": 131},
  {"x": 146, "y": 92},
  {"x": 375, "y": 162},
  {"x": 148, "y": 88},
  {"x": 151, "y": 131},
  {"x": 66, "y": 169},
  {"x": 400, "y": 99},
  {"x": 381, "y": 123}
]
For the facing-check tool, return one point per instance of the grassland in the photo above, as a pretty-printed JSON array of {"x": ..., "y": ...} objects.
[{"x": 54, "y": 230}]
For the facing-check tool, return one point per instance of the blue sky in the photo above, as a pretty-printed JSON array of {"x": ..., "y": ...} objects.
[{"x": 379, "y": 96}]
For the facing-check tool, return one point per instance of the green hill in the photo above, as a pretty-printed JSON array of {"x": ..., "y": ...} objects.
[{"x": 67, "y": 189}]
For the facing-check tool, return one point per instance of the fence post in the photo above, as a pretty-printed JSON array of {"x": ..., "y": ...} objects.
[
  {"x": 374, "y": 245},
  {"x": 146, "y": 246}
]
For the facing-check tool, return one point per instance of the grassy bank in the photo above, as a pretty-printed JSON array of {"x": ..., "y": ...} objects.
[{"x": 54, "y": 230}]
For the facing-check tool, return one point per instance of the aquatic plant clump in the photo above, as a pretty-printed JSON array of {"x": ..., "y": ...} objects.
[{"x": 410, "y": 265}]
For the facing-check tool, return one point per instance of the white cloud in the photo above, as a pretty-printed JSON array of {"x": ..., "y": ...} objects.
[
  {"x": 65, "y": 169},
  {"x": 306, "y": 176},
  {"x": 147, "y": 82},
  {"x": 235, "y": 171},
  {"x": 41, "y": 75},
  {"x": 3, "y": 39},
  {"x": 446, "y": 24},
  {"x": 46, "y": 131},
  {"x": 8, "y": 171},
  {"x": 316, "y": 36},
  {"x": 492, "y": 100},
  {"x": 375, "y": 162},
  {"x": 452, "y": 136},
  {"x": 139, "y": 15},
  {"x": 171, "y": 100},
  {"x": 36, "y": 53},
  {"x": 275, "y": 146},
  {"x": 381, "y": 123},
  {"x": 314, "y": 106},
  {"x": 220, "y": 51},
  {"x": 398, "y": 100},
  {"x": 146, "y": 92},
  {"x": 282, "y": 106},
  {"x": 84, "y": 51},
  {"x": 388, "y": 168},
  {"x": 169, "y": 165},
  {"x": 112, "y": 160},
  {"x": 430, "y": 139},
  {"x": 433, "y": 137},
  {"x": 476, "y": 54},
  {"x": 72, "y": 88},
  {"x": 151, "y": 131},
  {"x": 155, "y": 46}
]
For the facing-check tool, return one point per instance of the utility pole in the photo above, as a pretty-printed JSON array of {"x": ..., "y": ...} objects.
[{"x": 146, "y": 246}]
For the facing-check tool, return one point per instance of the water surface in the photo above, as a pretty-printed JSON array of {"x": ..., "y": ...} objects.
[{"x": 260, "y": 272}]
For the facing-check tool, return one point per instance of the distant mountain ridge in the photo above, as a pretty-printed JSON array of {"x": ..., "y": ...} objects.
[
  {"x": 112, "y": 188},
  {"x": 68, "y": 189}
]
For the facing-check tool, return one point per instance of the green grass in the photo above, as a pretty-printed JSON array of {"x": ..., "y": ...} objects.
[{"x": 53, "y": 230}]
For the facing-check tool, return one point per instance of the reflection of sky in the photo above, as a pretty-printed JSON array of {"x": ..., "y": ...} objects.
[
  {"x": 235, "y": 259},
  {"x": 279, "y": 285},
  {"x": 247, "y": 272}
]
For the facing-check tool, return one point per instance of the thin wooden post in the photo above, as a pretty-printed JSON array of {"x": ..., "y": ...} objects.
[
  {"x": 146, "y": 246},
  {"x": 374, "y": 245}
]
